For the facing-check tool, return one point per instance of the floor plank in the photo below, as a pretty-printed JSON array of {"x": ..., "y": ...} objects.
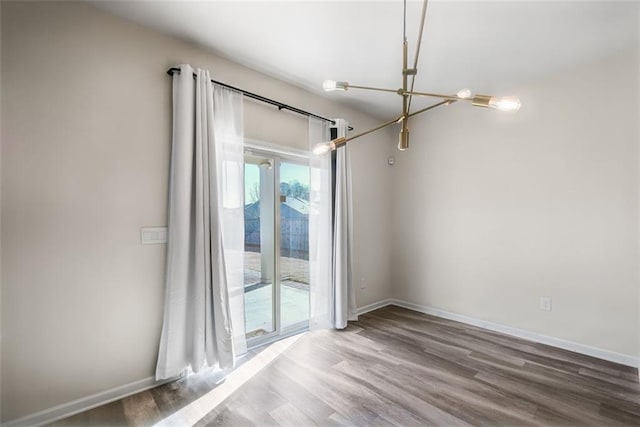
[{"x": 399, "y": 367}]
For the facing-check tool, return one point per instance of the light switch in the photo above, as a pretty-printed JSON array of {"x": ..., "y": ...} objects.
[{"x": 153, "y": 235}]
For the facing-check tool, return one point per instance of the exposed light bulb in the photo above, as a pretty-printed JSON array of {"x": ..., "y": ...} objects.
[
  {"x": 505, "y": 103},
  {"x": 464, "y": 93},
  {"x": 331, "y": 85},
  {"x": 322, "y": 148}
]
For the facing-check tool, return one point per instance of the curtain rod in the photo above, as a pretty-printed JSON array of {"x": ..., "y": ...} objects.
[{"x": 261, "y": 98}]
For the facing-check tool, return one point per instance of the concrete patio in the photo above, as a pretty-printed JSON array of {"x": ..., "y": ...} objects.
[{"x": 259, "y": 295}]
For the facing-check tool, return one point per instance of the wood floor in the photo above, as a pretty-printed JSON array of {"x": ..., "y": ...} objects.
[{"x": 398, "y": 367}]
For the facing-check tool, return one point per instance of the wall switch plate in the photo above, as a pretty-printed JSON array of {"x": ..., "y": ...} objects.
[
  {"x": 363, "y": 283},
  {"x": 545, "y": 303},
  {"x": 153, "y": 235}
]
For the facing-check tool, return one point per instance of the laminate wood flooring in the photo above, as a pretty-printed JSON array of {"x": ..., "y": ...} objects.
[{"x": 399, "y": 367}]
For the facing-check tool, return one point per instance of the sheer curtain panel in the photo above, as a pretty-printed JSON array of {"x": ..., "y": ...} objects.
[
  {"x": 203, "y": 315},
  {"x": 320, "y": 231}
]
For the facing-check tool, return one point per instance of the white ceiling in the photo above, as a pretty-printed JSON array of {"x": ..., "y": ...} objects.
[{"x": 489, "y": 47}]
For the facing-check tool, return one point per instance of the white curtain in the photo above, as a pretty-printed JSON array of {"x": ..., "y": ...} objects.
[
  {"x": 345, "y": 299},
  {"x": 204, "y": 308},
  {"x": 320, "y": 230},
  {"x": 332, "y": 293}
]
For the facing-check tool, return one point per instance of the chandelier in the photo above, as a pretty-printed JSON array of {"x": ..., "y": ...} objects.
[{"x": 504, "y": 103}]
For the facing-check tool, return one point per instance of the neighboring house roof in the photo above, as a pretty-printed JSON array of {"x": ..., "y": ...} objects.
[
  {"x": 300, "y": 205},
  {"x": 252, "y": 210},
  {"x": 292, "y": 207}
]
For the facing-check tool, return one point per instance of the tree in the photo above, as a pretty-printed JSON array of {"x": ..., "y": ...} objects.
[
  {"x": 294, "y": 189},
  {"x": 254, "y": 194},
  {"x": 284, "y": 189}
]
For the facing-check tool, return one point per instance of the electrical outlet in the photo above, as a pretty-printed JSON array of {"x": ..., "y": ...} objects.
[
  {"x": 545, "y": 303},
  {"x": 363, "y": 283}
]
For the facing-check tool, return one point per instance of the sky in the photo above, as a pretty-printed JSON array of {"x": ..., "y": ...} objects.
[{"x": 289, "y": 172}]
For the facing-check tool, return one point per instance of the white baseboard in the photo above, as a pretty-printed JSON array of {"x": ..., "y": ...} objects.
[
  {"x": 376, "y": 305},
  {"x": 612, "y": 356},
  {"x": 80, "y": 405}
]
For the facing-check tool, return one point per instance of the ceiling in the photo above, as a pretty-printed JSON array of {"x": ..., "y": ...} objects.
[{"x": 489, "y": 47}]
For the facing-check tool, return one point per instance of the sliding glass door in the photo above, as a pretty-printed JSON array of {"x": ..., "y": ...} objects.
[{"x": 276, "y": 245}]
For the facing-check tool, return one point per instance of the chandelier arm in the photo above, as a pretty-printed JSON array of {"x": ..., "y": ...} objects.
[
  {"x": 431, "y": 107},
  {"x": 344, "y": 140},
  {"x": 398, "y": 120},
  {"x": 325, "y": 147},
  {"x": 419, "y": 42},
  {"x": 437, "y": 95},
  {"x": 367, "y": 132},
  {"x": 350, "y": 86}
]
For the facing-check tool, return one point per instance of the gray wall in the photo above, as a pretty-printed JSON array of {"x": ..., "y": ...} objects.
[
  {"x": 501, "y": 209},
  {"x": 85, "y": 155}
]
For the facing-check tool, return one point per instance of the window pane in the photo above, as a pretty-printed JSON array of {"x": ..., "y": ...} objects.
[
  {"x": 258, "y": 250},
  {"x": 294, "y": 243}
]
